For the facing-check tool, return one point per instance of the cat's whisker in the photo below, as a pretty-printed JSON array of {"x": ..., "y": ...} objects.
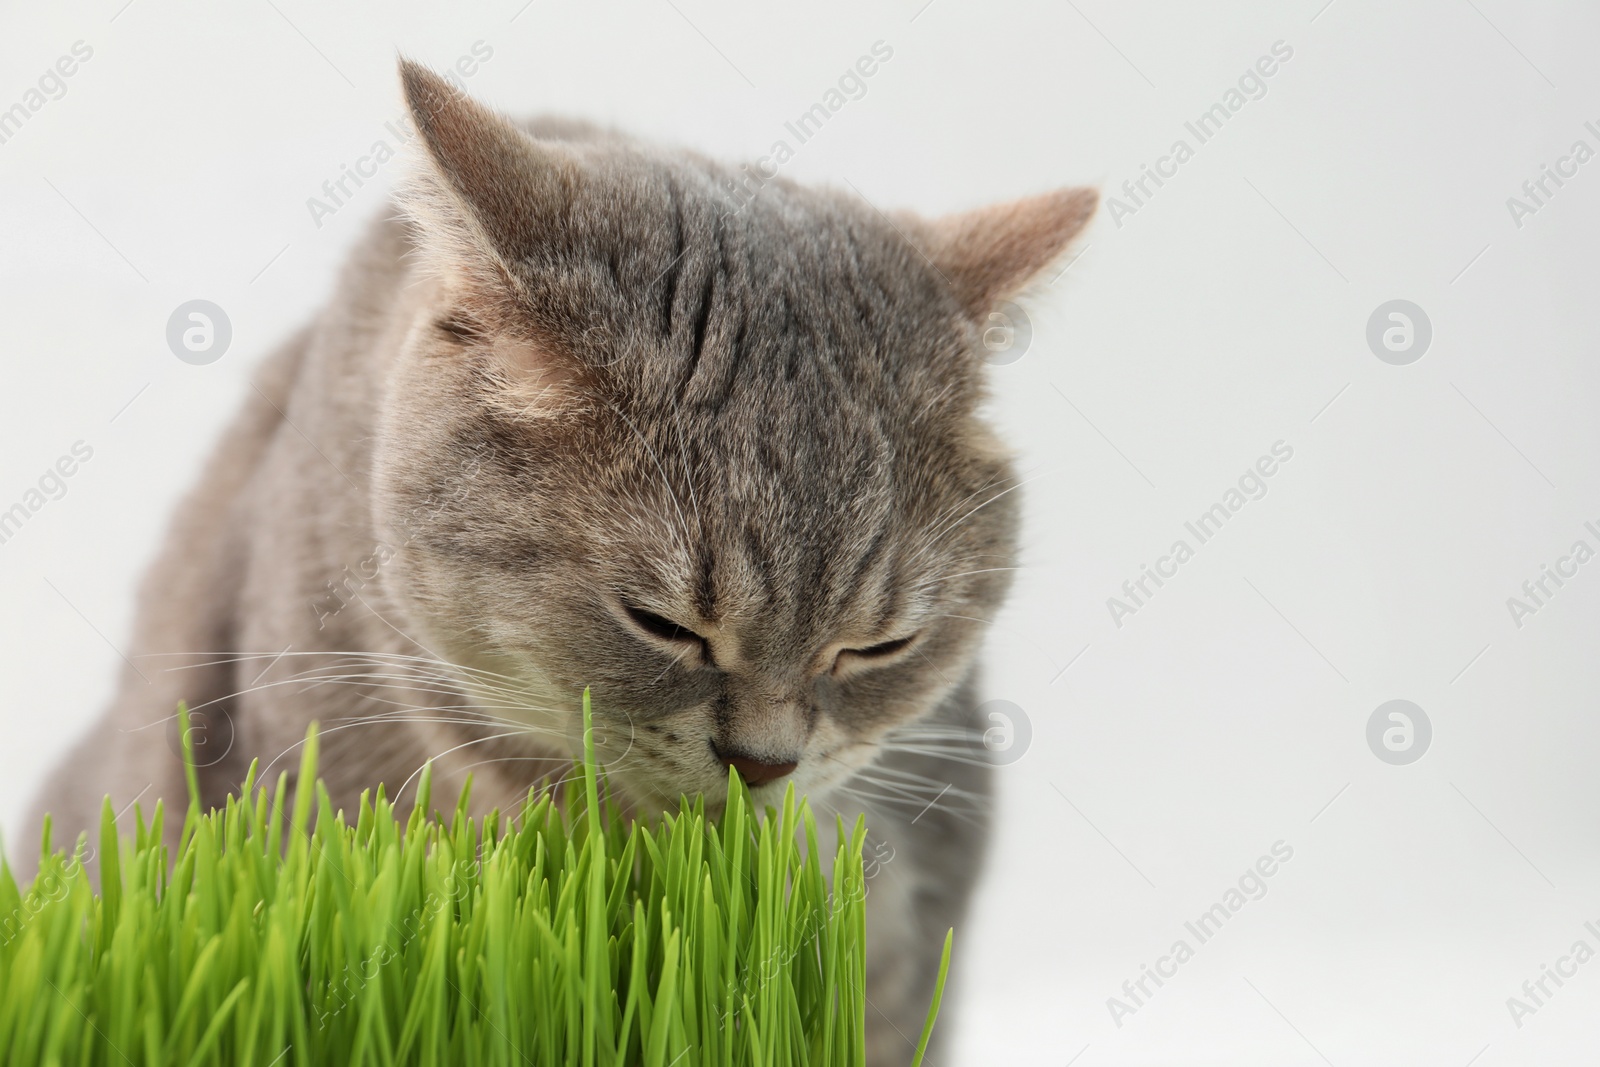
[
  {"x": 944, "y": 517},
  {"x": 949, "y": 743},
  {"x": 917, "y": 745},
  {"x": 936, "y": 748},
  {"x": 422, "y": 669},
  {"x": 381, "y": 617},
  {"x": 939, "y": 534},
  {"x": 887, "y": 770},
  {"x": 909, "y": 784},
  {"x": 402, "y": 634},
  {"x": 313, "y": 682},
  {"x": 442, "y": 667},
  {"x": 826, "y": 806},
  {"x": 961, "y": 755},
  {"x": 520, "y": 794},
  {"x": 867, "y": 798},
  {"x": 410, "y": 682},
  {"x": 952, "y": 737},
  {"x": 916, "y": 788},
  {"x": 974, "y": 559},
  {"x": 934, "y": 729},
  {"x": 440, "y": 755},
  {"x": 922, "y": 792},
  {"x": 466, "y": 715},
  {"x": 462, "y": 714},
  {"x": 367, "y": 681},
  {"x": 942, "y": 743},
  {"x": 933, "y": 540}
]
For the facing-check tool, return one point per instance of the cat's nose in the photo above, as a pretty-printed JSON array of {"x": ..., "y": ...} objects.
[{"x": 755, "y": 771}]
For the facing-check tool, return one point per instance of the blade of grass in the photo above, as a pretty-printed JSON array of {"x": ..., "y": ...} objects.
[{"x": 938, "y": 997}]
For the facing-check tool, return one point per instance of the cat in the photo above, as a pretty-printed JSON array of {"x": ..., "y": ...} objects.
[{"x": 587, "y": 415}]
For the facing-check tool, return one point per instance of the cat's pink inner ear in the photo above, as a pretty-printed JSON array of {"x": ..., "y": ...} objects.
[{"x": 990, "y": 254}]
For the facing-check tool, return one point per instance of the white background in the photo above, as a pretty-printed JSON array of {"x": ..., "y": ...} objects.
[{"x": 1222, "y": 316}]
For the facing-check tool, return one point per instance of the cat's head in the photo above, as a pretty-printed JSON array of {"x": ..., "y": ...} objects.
[{"x": 716, "y": 457}]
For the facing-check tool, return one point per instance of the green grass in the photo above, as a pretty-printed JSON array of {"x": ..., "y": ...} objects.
[{"x": 565, "y": 935}]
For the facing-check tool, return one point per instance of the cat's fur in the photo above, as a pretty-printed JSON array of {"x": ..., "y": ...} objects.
[{"x": 584, "y": 378}]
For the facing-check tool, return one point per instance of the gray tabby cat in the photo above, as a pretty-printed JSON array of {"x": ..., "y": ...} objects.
[{"x": 588, "y": 418}]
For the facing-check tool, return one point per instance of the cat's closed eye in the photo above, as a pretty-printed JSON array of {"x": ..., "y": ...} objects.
[
  {"x": 664, "y": 629},
  {"x": 459, "y": 328},
  {"x": 872, "y": 655}
]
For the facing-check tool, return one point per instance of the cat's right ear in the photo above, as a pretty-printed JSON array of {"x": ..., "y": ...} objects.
[{"x": 490, "y": 195}]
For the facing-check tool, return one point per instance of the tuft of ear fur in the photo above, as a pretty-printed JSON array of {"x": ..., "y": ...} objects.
[
  {"x": 490, "y": 196},
  {"x": 991, "y": 253}
]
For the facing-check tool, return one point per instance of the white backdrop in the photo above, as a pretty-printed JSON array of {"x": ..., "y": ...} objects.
[{"x": 1217, "y": 314}]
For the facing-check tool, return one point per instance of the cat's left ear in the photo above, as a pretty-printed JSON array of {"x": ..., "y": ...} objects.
[
  {"x": 490, "y": 195},
  {"x": 990, "y": 254}
]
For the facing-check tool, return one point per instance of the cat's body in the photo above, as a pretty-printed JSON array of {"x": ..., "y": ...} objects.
[{"x": 592, "y": 423}]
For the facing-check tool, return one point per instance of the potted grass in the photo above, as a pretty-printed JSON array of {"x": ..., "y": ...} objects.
[{"x": 287, "y": 934}]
